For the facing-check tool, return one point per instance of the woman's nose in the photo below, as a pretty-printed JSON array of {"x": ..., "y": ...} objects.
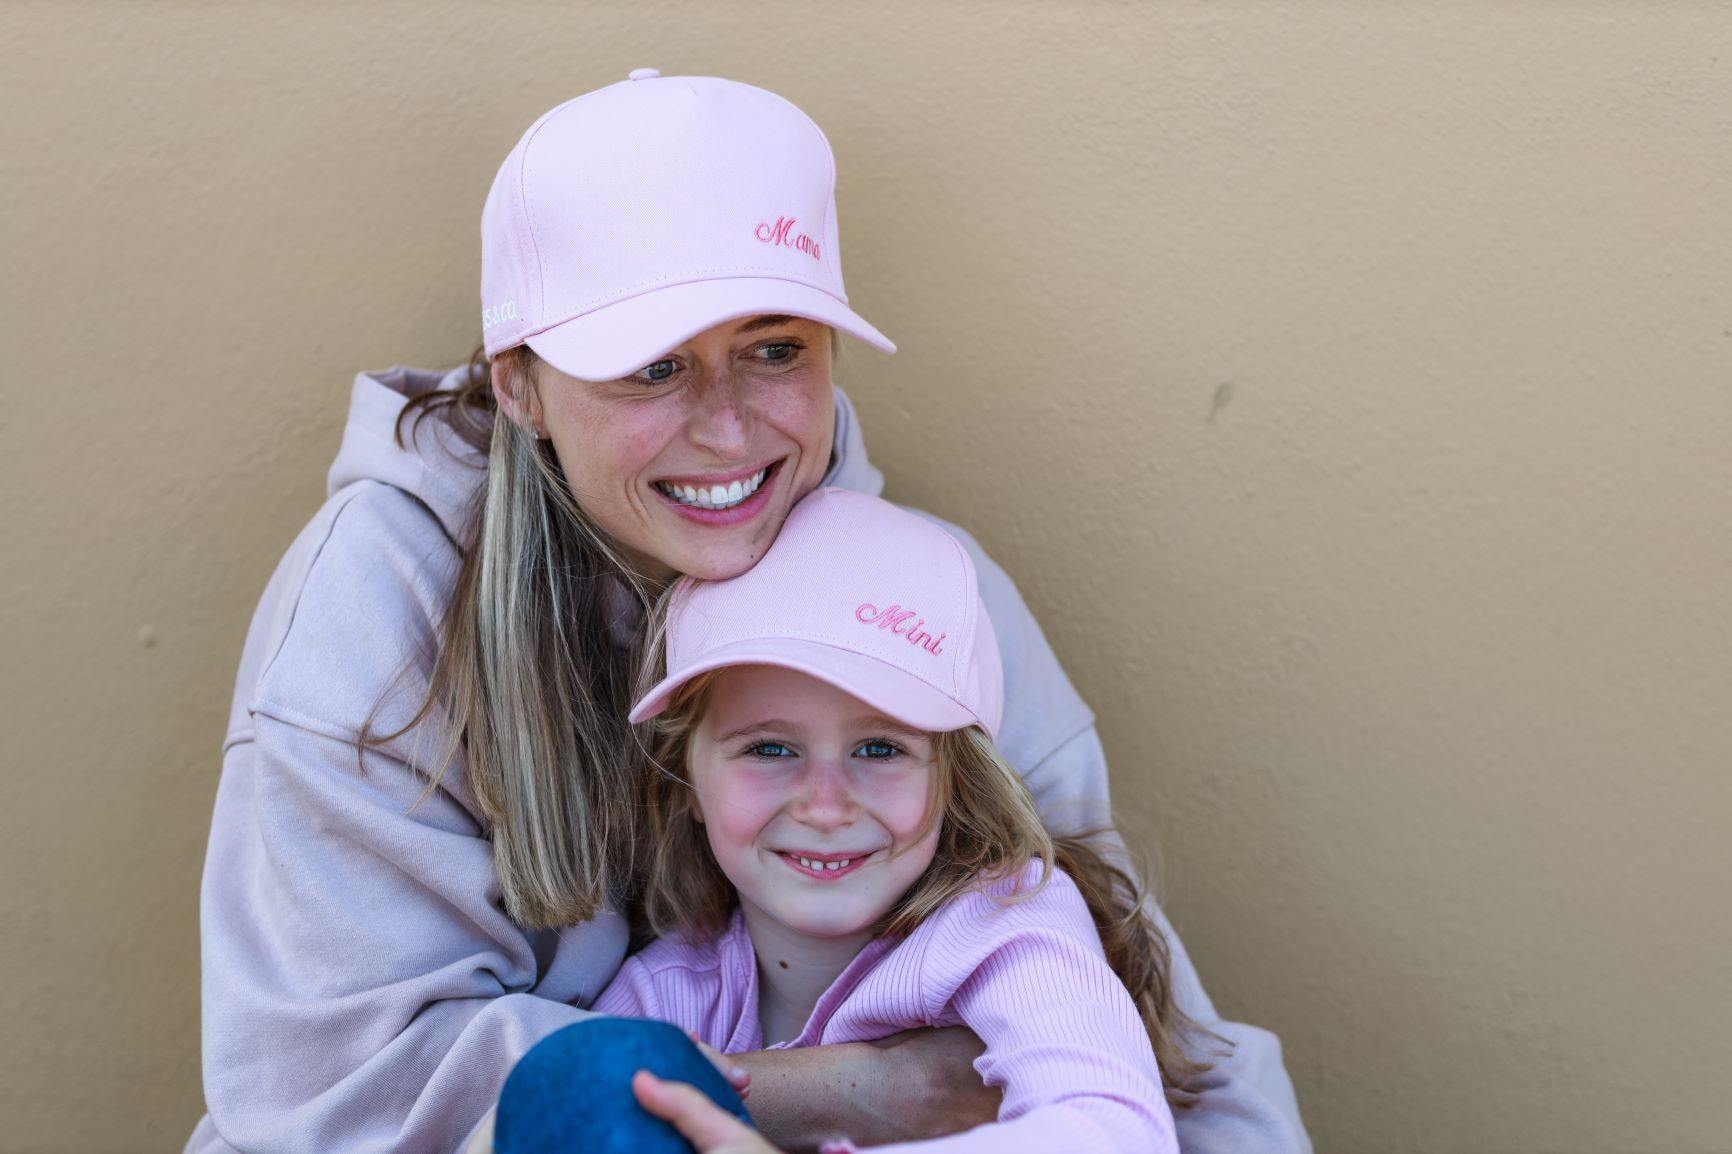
[{"x": 721, "y": 415}]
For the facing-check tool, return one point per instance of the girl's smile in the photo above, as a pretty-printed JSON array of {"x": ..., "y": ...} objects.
[{"x": 824, "y": 867}]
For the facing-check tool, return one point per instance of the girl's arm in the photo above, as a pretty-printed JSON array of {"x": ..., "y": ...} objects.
[
  {"x": 917, "y": 1084},
  {"x": 1063, "y": 1037},
  {"x": 1246, "y": 1099}
]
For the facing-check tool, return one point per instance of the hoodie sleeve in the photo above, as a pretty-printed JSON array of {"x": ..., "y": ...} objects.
[
  {"x": 363, "y": 988},
  {"x": 1247, "y": 1102},
  {"x": 1063, "y": 1038}
]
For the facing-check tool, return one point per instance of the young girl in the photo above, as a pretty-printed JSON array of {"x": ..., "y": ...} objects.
[{"x": 844, "y": 854}]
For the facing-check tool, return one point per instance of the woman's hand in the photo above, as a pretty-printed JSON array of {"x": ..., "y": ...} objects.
[
  {"x": 705, "y": 1125},
  {"x": 913, "y": 1085}
]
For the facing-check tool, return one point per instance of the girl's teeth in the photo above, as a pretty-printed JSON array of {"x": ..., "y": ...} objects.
[
  {"x": 714, "y": 496},
  {"x": 823, "y": 865}
]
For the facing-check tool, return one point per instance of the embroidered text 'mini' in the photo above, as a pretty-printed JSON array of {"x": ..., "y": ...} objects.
[{"x": 901, "y": 622}]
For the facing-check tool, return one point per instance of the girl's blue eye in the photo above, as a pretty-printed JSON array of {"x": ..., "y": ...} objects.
[
  {"x": 878, "y": 750},
  {"x": 656, "y": 373},
  {"x": 769, "y": 749}
]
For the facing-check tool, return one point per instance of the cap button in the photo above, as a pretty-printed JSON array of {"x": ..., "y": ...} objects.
[{"x": 643, "y": 74}]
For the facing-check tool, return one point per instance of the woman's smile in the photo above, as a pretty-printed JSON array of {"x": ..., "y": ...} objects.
[
  {"x": 691, "y": 464},
  {"x": 724, "y": 499}
]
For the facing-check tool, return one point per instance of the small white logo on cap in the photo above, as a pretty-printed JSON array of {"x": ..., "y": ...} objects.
[{"x": 498, "y": 314}]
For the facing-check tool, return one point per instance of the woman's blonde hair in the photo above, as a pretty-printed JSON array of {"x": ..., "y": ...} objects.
[
  {"x": 543, "y": 637},
  {"x": 989, "y": 831},
  {"x": 536, "y": 661}
]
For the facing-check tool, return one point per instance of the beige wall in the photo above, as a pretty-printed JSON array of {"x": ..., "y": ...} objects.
[{"x": 1348, "y": 386}]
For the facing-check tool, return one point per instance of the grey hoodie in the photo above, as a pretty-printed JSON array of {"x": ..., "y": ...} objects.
[{"x": 363, "y": 987}]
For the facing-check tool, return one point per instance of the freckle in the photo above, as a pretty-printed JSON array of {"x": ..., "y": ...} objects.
[{"x": 784, "y": 965}]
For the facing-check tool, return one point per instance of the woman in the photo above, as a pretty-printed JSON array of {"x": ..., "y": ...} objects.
[{"x": 421, "y": 823}]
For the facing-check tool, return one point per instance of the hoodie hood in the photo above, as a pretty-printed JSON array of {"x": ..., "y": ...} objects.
[{"x": 444, "y": 472}]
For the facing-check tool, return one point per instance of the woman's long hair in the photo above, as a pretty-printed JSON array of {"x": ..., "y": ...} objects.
[
  {"x": 536, "y": 659},
  {"x": 990, "y": 831}
]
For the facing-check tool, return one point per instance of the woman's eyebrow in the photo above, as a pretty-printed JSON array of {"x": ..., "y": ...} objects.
[{"x": 768, "y": 322}]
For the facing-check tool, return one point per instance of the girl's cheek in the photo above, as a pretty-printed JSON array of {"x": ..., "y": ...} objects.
[{"x": 903, "y": 803}]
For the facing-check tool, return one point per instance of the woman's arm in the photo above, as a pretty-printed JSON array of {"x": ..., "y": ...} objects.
[
  {"x": 913, "y": 1085},
  {"x": 364, "y": 989}
]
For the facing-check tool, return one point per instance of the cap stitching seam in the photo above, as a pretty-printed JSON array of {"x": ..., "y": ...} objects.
[{"x": 529, "y": 203}]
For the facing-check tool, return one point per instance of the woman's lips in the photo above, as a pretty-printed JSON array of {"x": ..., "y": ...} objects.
[{"x": 747, "y": 508}]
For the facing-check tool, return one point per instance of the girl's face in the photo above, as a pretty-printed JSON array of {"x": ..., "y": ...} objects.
[
  {"x": 692, "y": 463},
  {"x": 815, "y": 803}
]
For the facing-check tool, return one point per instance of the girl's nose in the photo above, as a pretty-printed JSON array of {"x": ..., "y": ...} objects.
[{"x": 826, "y": 797}]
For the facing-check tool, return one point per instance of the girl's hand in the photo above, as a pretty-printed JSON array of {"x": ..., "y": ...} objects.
[
  {"x": 704, "y": 1124},
  {"x": 736, "y": 1074}
]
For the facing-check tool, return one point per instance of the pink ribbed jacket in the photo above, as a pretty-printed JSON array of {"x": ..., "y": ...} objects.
[{"x": 1063, "y": 1038}]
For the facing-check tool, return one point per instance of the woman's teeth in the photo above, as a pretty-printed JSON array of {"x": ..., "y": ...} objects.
[{"x": 715, "y": 496}]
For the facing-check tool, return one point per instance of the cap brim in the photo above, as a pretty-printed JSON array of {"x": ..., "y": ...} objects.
[
  {"x": 896, "y": 693},
  {"x": 623, "y": 337}
]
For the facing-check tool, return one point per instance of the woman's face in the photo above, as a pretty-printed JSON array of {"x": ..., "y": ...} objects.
[
  {"x": 691, "y": 463},
  {"x": 815, "y": 803}
]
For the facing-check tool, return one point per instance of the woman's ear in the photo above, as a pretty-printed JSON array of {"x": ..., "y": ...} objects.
[{"x": 516, "y": 395}]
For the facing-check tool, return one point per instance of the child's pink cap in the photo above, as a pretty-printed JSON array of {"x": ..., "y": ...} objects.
[
  {"x": 873, "y": 599},
  {"x": 634, "y": 217}
]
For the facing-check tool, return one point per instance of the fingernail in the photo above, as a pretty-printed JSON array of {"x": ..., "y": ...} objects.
[{"x": 738, "y": 1071}]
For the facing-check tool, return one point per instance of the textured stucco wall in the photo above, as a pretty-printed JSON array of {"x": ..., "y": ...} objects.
[{"x": 1348, "y": 385}]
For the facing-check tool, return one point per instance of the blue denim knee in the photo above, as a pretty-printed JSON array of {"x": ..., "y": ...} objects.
[{"x": 572, "y": 1091}]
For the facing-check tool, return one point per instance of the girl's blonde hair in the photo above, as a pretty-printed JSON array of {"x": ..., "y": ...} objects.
[
  {"x": 989, "y": 831},
  {"x": 537, "y": 657}
]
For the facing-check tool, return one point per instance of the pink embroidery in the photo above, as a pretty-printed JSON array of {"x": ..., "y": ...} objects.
[
  {"x": 778, "y": 234},
  {"x": 901, "y": 622}
]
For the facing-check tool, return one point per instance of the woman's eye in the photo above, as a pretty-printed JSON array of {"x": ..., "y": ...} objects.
[
  {"x": 656, "y": 373},
  {"x": 777, "y": 351},
  {"x": 769, "y": 749},
  {"x": 878, "y": 750}
]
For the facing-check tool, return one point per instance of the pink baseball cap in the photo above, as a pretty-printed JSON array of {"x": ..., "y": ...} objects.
[
  {"x": 873, "y": 599},
  {"x": 634, "y": 217}
]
